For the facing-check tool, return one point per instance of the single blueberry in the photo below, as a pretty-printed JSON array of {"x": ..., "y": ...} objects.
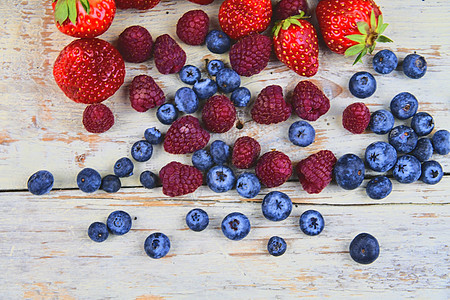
[
  {"x": 404, "y": 105},
  {"x": 311, "y": 222},
  {"x": 40, "y": 183},
  {"x": 379, "y": 187},
  {"x": 276, "y": 246},
  {"x": 89, "y": 180},
  {"x": 119, "y": 222},
  {"x": 349, "y": 171},
  {"x": 414, "y": 66},
  {"x": 423, "y": 150},
  {"x": 157, "y": 245},
  {"x": 186, "y": 100},
  {"x": 153, "y": 136},
  {"x": 218, "y": 41},
  {"x": 123, "y": 167},
  {"x": 189, "y": 74},
  {"x": 432, "y": 172},
  {"x": 248, "y": 185},
  {"x": 236, "y": 226},
  {"x": 220, "y": 179},
  {"x": 148, "y": 179},
  {"x": 197, "y": 219},
  {"x": 407, "y": 169},
  {"x": 381, "y": 121},
  {"x": 403, "y": 138},
  {"x": 441, "y": 142},
  {"x": 385, "y": 61},
  {"x": 422, "y": 123},
  {"x": 301, "y": 133},
  {"x": 205, "y": 88},
  {"x": 98, "y": 232},
  {"x": 111, "y": 183},
  {"x": 220, "y": 152},
  {"x": 228, "y": 80},
  {"x": 241, "y": 96},
  {"x": 364, "y": 248},
  {"x": 202, "y": 160},
  {"x": 167, "y": 113},
  {"x": 276, "y": 206},
  {"x": 380, "y": 156},
  {"x": 142, "y": 151},
  {"x": 214, "y": 66},
  {"x": 362, "y": 85}
]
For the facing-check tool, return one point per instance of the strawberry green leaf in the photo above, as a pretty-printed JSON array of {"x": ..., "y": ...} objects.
[
  {"x": 300, "y": 15},
  {"x": 357, "y": 38},
  {"x": 361, "y": 54},
  {"x": 286, "y": 24},
  {"x": 384, "y": 39},
  {"x": 373, "y": 21},
  {"x": 363, "y": 27},
  {"x": 72, "y": 5},
  {"x": 86, "y": 6},
  {"x": 353, "y": 50},
  {"x": 382, "y": 28},
  {"x": 371, "y": 48},
  {"x": 61, "y": 11},
  {"x": 296, "y": 22},
  {"x": 276, "y": 29}
]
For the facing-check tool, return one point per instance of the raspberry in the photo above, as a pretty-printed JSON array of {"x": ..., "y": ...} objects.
[
  {"x": 316, "y": 171},
  {"x": 202, "y": 2},
  {"x": 185, "y": 135},
  {"x": 246, "y": 151},
  {"x": 218, "y": 114},
  {"x": 287, "y": 8},
  {"x": 97, "y": 118},
  {"x": 137, "y": 4},
  {"x": 309, "y": 102},
  {"x": 178, "y": 179},
  {"x": 356, "y": 117},
  {"x": 250, "y": 55},
  {"x": 193, "y": 27},
  {"x": 135, "y": 44},
  {"x": 270, "y": 106},
  {"x": 169, "y": 56},
  {"x": 273, "y": 168},
  {"x": 145, "y": 93}
]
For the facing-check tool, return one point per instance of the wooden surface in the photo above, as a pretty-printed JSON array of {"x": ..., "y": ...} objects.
[{"x": 45, "y": 251}]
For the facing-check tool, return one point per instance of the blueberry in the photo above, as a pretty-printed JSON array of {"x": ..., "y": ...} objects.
[
  {"x": 197, "y": 219},
  {"x": 148, "y": 179},
  {"x": 403, "y": 138},
  {"x": 228, "y": 80},
  {"x": 167, "y": 113},
  {"x": 414, "y": 66},
  {"x": 404, "y": 105},
  {"x": 40, "y": 183},
  {"x": 202, "y": 160},
  {"x": 218, "y": 41},
  {"x": 441, "y": 142},
  {"x": 311, "y": 222},
  {"x": 89, "y": 180},
  {"x": 364, "y": 248},
  {"x": 380, "y": 156},
  {"x": 236, "y": 226},
  {"x": 276, "y": 246},
  {"x": 123, "y": 167},
  {"x": 186, "y": 100},
  {"x": 431, "y": 172},
  {"x": 384, "y": 62},
  {"x": 220, "y": 152},
  {"x": 189, "y": 74},
  {"x": 248, "y": 185},
  {"x": 241, "y": 96},
  {"x": 423, "y": 150},
  {"x": 407, "y": 169},
  {"x": 119, "y": 222},
  {"x": 379, "y": 187},
  {"x": 153, "y": 136},
  {"x": 349, "y": 171},
  {"x": 276, "y": 206},
  {"x": 422, "y": 123},
  {"x": 98, "y": 232},
  {"x": 362, "y": 85},
  {"x": 111, "y": 184},
  {"x": 142, "y": 151},
  {"x": 220, "y": 179},
  {"x": 205, "y": 88},
  {"x": 214, "y": 66},
  {"x": 381, "y": 121},
  {"x": 301, "y": 133},
  {"x": 157, "y": 245}
]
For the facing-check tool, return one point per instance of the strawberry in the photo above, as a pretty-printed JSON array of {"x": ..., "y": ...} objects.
[
  {"x": 296, "y": 45},
  {"x": 83, "y": 18},
  {"x": 137, "y": 4},
  {"x": 351, "y": 27}
]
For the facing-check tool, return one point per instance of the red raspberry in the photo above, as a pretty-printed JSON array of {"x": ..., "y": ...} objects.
[
  {"x": 137, "y": 4},
  {"x": 270, "y": 106},
  {"x": 169, "y": 56},
  {"x": 218, "y": 114},
  {"x": 145, "y": 93},
  {"x": 287, "y": 8},
  {"x": 193, "y": 27},
  {"x": 185, "y": 135},
  {"x": 135, "y": 44},
  {"x": 315, "y": 172},
  {"x": 246, "y": 151},
  {"x": 178, "y": 179},
  {"x": 309, "y": 102},
  {"x": 251, "y": 54},
  {"x": 97, "y": 118},
  {"x": 202, "y": 2},
  {"x": 273, "y": 168},
  {"x": 356, "y": 117}
]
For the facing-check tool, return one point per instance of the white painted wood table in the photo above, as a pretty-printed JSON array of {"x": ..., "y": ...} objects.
[{"x": 45, "y": 251}]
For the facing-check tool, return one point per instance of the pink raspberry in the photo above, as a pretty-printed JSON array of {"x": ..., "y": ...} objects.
[
  {"x": 287, "y": 8},
  {"x": 135, "y": 44},
  {"x": 97, "y": 118},
  {"x": 185, "y": 135},
  {"x": 193, "y": 27},
  {"x": 356, "y": 117},
  {"x": 169, "y": 56},
  {"x": 145, "y": 93},
  {"x": 218, "y": 114},
  {"x": 178, "y": 179},
  {"x": 316, "y": 171},
  {"x": 273, "y": 168},
  {"x": 246, "y": 151},
  {"x": 309, "y": 102},
  {"x": 270, "y": 106}
]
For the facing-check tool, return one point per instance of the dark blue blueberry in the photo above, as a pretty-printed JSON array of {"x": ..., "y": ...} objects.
[
  {"x": 236, "y": 226},
  {"x": 422, "y": 123},
  {"x": 276, "y": 206},
  {"x": 220, "y": 152},
  {"x": 379, "y": 187},
  {"x": 384, "y": 62},
  {"x": 228, "y": 80},
  {"x": 153, "y": 136},
  {"x": 142, "y": 151},
  {"x": 414, "y": 66},
  {"x": 276, "y": 246},
  {"x": 364, "y": 248},
  {"x": 403, "y": 138},
  {"x": 214, "y": 66},
  {"x": 157, "y": 245},
  {"x": 248, "y": 185},
  {"x": 349, "y": 171},
  {"x": 301, "y": 133},
  {"x": 205, "y": 88},
  {"x": 189, "y": 74},
  {"x": 218, "y": 41},
  {"x": 123, "y": 167},
  {"x": 220, "y": 179},
  {"x": 380, "y": 156},
  {"x": 98, "y": 232},
  {"x": 202, "y": 160},
  {"x": 404, "y": 105},
  {"x": 362, "y": 85},
  {"x": 381, "y": 121},
  {"x": 119, "y": 222},
  {"x": 407, "y": 169},
  {"x": 89, "y": 180},
  {"x": 423, "y": 150},
  {"x": 111, "y": 184},
  {"x": 186, "y": 100},
  {"x": 197, "y": 219},
  {"x": 431, "y": 172},
  {"x": 40, "y": 183},
  {"x": 167, "y": 113},
  {"x": 441, "y": 142},
  {"x": 148, "y": 179},
  {"x": 311, "y": 222},
  {"x": 241, "y": 96}
]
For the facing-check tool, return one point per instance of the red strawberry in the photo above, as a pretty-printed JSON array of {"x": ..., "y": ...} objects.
[
  {"x": 84, "y": 18},
  {"x": 295, "y": 44},
  {"x": 270, "y": 106},
  {"x": 185, "y": 135},
  {"x": 178, "y": 179},
  {"x": 239, "y": 18},
  {"x": 137, "y": 4},
  {"x": 351, "y": 27},
  {"x": 202, "y": 2}
]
